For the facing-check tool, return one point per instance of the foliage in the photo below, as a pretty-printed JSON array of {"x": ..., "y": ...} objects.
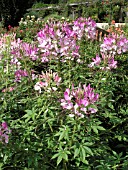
[
  {"x": 44, "y": 10},
  {"x": 101, "y": 11},
  {"x": 11, "y": 11},
  {"x": 63, "y": 97}
]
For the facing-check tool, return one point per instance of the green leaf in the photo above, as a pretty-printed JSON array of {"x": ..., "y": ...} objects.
[
  {"x": 59, "y": 159},
  {"x": 68, "y": 152},
  {"x": 95, "y": 129},
  {"x": 66, "y": 134},
  {"x": 65, "y": 156},
  {"x": 1, "y": 164},
  {"x": 88, "y": 150},
  {"x": 83, "y": 153},
  {"x": 110, "y": 106},
  {"x": 114, "y": 153},
  {"x": 62, "y": 135},
  {"x": 88, "y": 144},
  {"x": 5, "y": 158},
  {"x": 39, "y": 149},
  {"x": 76, "y": 153},
  {"x": 25, "y": 168},
  {"x": 30, "y": 115},
  {"x": 54, "y": 156},
  {"x": 100, "y": 128},
  {"x": 85, "y": 162}
]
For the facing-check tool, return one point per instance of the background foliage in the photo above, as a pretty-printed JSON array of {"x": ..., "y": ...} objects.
[{"x": 101, "y": 11}]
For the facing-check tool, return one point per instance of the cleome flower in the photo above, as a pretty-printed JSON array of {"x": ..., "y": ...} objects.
[
  {"x": 80, "y": 101},
  {"x": 114, "y": 44},
  {"x": 19, "y": 74},
  {"x": 48, "y": 81},
  {"x": 107, "y": 61},
  {"x": 10, "y": 89},
  {"x": 4, "y": 133}
]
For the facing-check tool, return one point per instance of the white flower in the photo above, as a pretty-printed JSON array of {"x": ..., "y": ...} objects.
[
  {"x": 71, "y": 115},
  {"x": 25, "y": 23},
  {"x": 37, "y": 87},
  {"x": 103, "y": 79},
  {"x": 28, "y": 17},
  {"x": 54, "y": 88},
  {"x": 32, "y": 16}
]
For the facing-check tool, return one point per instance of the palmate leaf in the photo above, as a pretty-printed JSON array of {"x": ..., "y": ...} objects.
[
  {"x": 96, "y": 128},
  {"x": 62, "y": 154},
  {"x": 30, "y": 115},
  {"x": 65, "y": 156},
  {"x": 63, "y": 133}
]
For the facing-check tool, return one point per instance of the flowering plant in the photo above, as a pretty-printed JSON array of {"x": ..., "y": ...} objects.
[
  {"x": 4, "y": 133},
  {"x": 48, "y": 81},
  {"x": 80, "y": 101},
  {"x": 64, "y": 97}
]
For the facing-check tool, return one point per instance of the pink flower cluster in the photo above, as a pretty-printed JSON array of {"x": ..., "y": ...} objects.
[
  {"x": 20, "y": 49},
  {"x": 48, "y": 81},
  {"x": 57, "y": 42},
  {"x": 107, "y": 62},
  {"x": 85, "y": 27},
  {"x": 19, "y": 74},
  {"x": 4, "y": 133},
  {"x": 80, "y": 101},
  {"x": 5, "y": 43},
  {"x": 10, "y": 89},
  {"x": 30, "y": 51},
  {"x": 114, "y": 44}
]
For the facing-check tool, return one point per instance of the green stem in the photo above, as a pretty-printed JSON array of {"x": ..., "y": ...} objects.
[
  {"x": 69, "y": 73},
  {"x": 74, "y": 131},
  {"x": 64, "y": 165}
]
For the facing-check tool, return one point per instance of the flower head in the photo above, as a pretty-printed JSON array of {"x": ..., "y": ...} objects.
[
  {"x": 80, "y": 101},
  {"x": 4, "y": 132},
  {"x": 48, "y": 81}
]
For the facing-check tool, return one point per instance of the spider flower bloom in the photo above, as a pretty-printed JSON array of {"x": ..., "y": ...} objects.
[
  {"x": 48, "y": 81},
  {"x": 107, "y": 61},
  {"x": 10, "y": 89},
  {"x": 112, "y": 63},
  {"x": 80, "y": 101},
  {"x": 114, "y": 44},
  {"x": 84, "y": 27},
  {"x": 96, "y": 61},
  {"x": 57, "y": 41},
  {"x": 4, "y": 133},
  {"x": 38, "y": 86},
  {"x": 19, "y": 74}
]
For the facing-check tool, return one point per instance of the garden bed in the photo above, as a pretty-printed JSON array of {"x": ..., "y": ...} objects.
[{"x": 63, "y": 97}]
